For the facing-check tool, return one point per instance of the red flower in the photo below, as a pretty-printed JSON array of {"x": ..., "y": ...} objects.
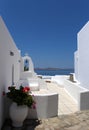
[
  {"x": 26, "y": 89},
  {"x": 21, "y": 96}
]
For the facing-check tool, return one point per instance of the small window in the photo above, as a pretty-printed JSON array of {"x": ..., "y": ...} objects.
[{"x": 11, "y": 53}]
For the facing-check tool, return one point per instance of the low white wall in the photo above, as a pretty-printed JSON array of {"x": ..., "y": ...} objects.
[
  {"x": 73, "y": 89},
  {"x": 59, "y": 79},
  {"x": 26, "y": 74},
  {"x": 46, "y": 106},
  {"x": 32, "y": 82},
  {"x": 84, "y": 101},
  {"x": 78, "y": 93}
]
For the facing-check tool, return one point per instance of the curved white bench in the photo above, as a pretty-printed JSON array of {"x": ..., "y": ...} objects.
[{"x": 46, "y": 106}]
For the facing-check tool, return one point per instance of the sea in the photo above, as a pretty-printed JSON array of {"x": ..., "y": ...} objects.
[{"x": 54, "y": 72}]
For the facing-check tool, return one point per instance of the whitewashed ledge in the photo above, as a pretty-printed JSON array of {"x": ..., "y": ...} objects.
[
  {"x": 78, "y": 93},
  {"x": 59, "y": 79},
  {"x": 47, "y": 78}
]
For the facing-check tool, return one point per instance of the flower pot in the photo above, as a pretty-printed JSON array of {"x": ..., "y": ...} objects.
[{"x": 18, "y": 114}]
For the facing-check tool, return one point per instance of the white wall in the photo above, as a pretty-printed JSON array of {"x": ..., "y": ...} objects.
[
  {"x": 6, "y": 61},
  {"x": 59, "y": 79},
  {"x": 83, "y": 56},
  {"x": 74, "y": 89},
  {"x": 78, "y": 93}
]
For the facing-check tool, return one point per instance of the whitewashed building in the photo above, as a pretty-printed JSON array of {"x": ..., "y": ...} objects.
[
  {"x": 79, "y": 87},
  {"x": 81, "y": 66},
  {"x": 82, "y": 57},
  {"x": 17, "y": 70},
  {"x": 9, "y": 65},
  {"x": 12, "y": 68}
]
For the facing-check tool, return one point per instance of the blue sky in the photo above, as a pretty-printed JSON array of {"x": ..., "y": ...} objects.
[{"x": 46, "y": 29}]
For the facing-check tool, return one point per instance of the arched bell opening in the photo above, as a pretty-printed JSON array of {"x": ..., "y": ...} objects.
[{"x": 26, "y": 65}]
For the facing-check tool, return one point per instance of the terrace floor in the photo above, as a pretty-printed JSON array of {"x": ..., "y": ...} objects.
[{"x": 66, "y": 104}]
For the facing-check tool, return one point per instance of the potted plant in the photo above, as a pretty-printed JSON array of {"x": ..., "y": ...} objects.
[{"x": 22, "y": 99}]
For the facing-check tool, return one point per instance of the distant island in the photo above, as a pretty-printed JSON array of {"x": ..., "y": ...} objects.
[{"x": 49, "y": 68}]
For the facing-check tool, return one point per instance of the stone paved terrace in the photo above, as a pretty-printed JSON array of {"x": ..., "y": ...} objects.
[
  {"x": 68, "y": 116},
  {"x": 75, "y": 121}
]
